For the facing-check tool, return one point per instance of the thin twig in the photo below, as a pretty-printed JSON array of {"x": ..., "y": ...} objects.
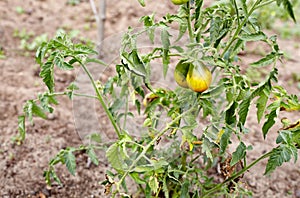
[
  {"x": 94, "y": 9},
  {"x": 100, "y": 16}
]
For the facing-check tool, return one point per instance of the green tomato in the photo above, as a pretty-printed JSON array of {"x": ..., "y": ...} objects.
[
  {"x": 179, "y": 2},
  {"x": 198, "y": 77},
  {"x": 180, "y": 73}
]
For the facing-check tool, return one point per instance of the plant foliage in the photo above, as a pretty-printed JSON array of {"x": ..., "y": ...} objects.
[{"x": 217, "y": 34}]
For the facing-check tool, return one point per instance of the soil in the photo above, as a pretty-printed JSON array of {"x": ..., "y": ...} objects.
[{"x": 21, "y": 167}]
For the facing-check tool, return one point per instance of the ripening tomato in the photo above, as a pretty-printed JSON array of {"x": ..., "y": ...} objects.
[
  {"x": 179, "y": 2},
  {"x": 198, "y": 77}
]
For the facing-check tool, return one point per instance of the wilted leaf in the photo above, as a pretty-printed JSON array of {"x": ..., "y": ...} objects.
[{"x": 153, "y": 183}]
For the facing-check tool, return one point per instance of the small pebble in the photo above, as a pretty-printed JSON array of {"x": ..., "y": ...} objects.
[{"x": 51, "y": 116}]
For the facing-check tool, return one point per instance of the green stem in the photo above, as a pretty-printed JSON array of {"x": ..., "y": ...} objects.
[
  {"x": 65, "y": 93},
  {"x": 146, "y": 148},
  {"x": 189, "y": 23},
  {"x": 265, "y": 3},
  {"x": 126, "y": 112},
  {"x": 240, "y": 26},
  {"x": 236, "y": 175},
  {"x": 160, "y": 56},
  {"x": 237, "y": 11},
  {"x": 85, "y": 95},
  {"x": 101, "y": 100}
]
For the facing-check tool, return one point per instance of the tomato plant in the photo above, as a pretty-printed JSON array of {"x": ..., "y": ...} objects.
[{"x": 219, "y": 93}]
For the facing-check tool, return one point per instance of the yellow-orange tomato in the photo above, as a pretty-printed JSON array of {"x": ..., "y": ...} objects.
[
  {"x": 198, "y": 77},
  {"x": 179, "y": 2}
]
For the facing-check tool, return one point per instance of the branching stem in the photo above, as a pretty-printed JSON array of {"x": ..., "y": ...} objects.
[
  {"x": 101, "y": 100},
  {"x": 236, "y": 175},
  {"x": 146, "y": 148},
  {"x": 189, "y": 23},
  {"x": 240, "y": 26}
]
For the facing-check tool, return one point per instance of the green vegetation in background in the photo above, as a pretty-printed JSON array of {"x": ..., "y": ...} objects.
[{"x": 277, "y": 19}]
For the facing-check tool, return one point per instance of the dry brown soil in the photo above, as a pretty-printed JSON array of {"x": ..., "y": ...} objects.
[{"x": 21, "y": 167}]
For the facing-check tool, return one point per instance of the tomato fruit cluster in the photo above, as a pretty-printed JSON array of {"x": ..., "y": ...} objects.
[{"x": 195, "y": 76}]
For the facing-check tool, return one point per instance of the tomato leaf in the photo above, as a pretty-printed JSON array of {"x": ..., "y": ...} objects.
[
  {"x": 60, "y": 63},
  {"x": 153, "y": 183},
  {"x": 51, "y": 174},
  {"x": 92, "y": 155},
  {"x": 214, "y": 30},
  {"x": 55, "y": 177},
  {"x": 285, "y": 137},
  {"x": 40, "y": 53},
  {"x": 165, "y": 187},
  {"x": 289, "y": 8},
  {"x": 244, "y": 109},
  {"x": 165, "y": 38},
  {"x": 21, "y": 127},
  {"x": 142, "y": 2},
  {"x": 47, "y": 74},
  {"x": 198, "y": 4},
  {"x": 31, "y": 108},
  {"x": 225, "y": 139},
  {"x": 261, "y": 104},
  {"x": 82, "y": 50},
  {"x": 279, "y": 155},
  {"x": 149, "y": 25},
  {"x": 206, "y": 148},
  {"x": 38, "y": 111},
  {"x": 230, "y": 116},
  {"x": 134, "y": 63},
  {"x": 270, "y": 121},
  {"x": 136, "y": 177},
  {"x": 253, "y": 37},
  {"x": 182, "y": 29},
  {"x": 207, "y": 107},
  {"x": 114, "y": 157},
  {"x": 184, "y": 191},
  {"x": 70, "y": 161},
  {"x": 267, "y": 60},
  {"x": 238, "y": 154},
  {"x": 244, "y": 6},
  {"x": 45, "y": 101},
  {"x": 71, "y": 88}
]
